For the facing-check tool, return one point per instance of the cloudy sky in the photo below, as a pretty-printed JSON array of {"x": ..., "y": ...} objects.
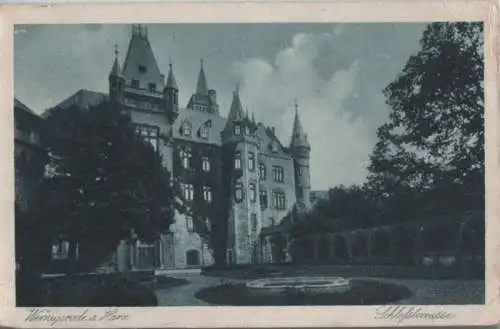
[{"x": 336, "y": 71}]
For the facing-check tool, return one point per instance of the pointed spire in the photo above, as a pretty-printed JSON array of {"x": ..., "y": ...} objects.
[
  {"x": 201, "y": 87},
  {"x": 236, "y": 110},
  {"x": 171, "y": 83},
  {"x": 299, "y": 138},
  {"x": 116, "y": 70}
]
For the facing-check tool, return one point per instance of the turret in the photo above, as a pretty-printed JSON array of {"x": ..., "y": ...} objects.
[
  {"x": 300, "y": 150},
  {"x": 204, "y": 99},
  {"x": 171, "y": 95},
  {"x": 241, "y": 176},
  {"x": 116, "y": 81}
]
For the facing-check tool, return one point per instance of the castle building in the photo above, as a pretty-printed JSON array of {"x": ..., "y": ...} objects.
[
  {"x": 234, "y": 172},
  {"x": 29, "y": 155}
]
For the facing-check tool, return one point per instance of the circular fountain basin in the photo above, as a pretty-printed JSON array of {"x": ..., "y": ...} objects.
[{"x": 304, "y": 285}]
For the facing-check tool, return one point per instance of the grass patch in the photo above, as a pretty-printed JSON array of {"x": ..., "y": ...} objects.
[{"x": 362, "y": 292}]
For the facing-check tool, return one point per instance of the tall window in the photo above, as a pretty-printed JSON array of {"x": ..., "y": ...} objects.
[
  {"x": 253, "y": 224},
  {"x": 279, "y": 200},
  {"x": 189, "y": 224},
  {"x": 208, "y": 224},
  {"x": 238, "y": 192},
  {"x": 251, "y": 161},
  {"x": 188, "y": 191},
  {"x": 263, "y": 199},
  {"x": 186, "y": 129},
  {"x": 205, "y": 164},
  {"x": 253, "y": 192},
  {"x": 262, "y": 171},
  {"x": 186, "y": 156},
  {"x": 207, "y": 194},
  {"x": 150, "y": 134},
  {"x": 237, "y": 160},
  {"x": 278, "y": 174},
  {"x": 237, "y": 129}
]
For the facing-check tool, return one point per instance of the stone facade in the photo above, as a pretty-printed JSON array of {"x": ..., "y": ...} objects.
[
  {"x": 29, "y": 155},
  {"x": 233, "y": 171}
]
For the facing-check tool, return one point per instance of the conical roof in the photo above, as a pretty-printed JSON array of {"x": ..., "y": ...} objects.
[
  {"x": 116, "y": 69},
  {"x": 299, "y": 138},
  {"x": 236, "y": 110},
  {"x": 171, "y": 83},
  {"x": 201, "y": 87}
]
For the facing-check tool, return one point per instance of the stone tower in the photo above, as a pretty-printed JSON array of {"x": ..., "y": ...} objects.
[
  {"x": 116, "y": 81},
  {"x": 300, "y": 150},
  {"x": 240, "y": 147},
  {"x": 171, "y": 95},
  {"x": 204, "y": 99}
]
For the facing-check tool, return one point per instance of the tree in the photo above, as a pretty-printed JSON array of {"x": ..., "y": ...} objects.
[
  {"x": 103, "y": 184},
  {"x": 433, "y": 144}
]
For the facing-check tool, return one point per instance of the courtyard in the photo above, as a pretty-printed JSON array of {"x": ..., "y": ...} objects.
[{"x": 437, "y": 287}]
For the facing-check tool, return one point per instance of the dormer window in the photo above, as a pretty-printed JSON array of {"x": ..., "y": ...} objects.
[
  {"x": 142, "y": 69},
  {"x": 274, "y": 147},
  {"x": 204, "y": 132},
  {"x": 247, "y": 130},
  {"x": 237, "y": 129},
  {"x": 152, "y": 87},
  {"x": 186, "y": 129}
]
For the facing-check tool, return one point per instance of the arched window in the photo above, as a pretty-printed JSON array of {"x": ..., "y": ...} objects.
[
  {"x": 207, "y": 194},
  {"x": 186, "y": 129},
  {"x": 204, "y": 131},
  {"x": 189, "y": 224},
  {"x": 253, "y": 192},
  {"x": 188, "y": 191},
  {"x": 251, "y": 161},
  {"x": 279, "y": 200},
  {"x": 237, "y": 129},
  {"x": 238, "y": 192},
  {"x": 186, "y": 156},
  {"x": 262, "y": 171},
  {"x": 205, "y": 164},
  {"x": 263, "y": 199},
  {"x": 237, "y": 160}
]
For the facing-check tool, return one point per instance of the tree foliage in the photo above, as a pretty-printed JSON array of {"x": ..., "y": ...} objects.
[
  {"x": 433, "y": 143},
  {"x": 104, "y": 183}
]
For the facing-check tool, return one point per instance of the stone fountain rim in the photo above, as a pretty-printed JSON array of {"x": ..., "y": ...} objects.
[{"x": 299, "y": 282}]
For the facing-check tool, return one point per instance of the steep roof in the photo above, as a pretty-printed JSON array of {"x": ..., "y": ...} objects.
[
  {"x": 299, "y": 138},
  {"x": 140, "y": 62},
  {"x": 197, "y": 119},
  {"x": 171, "y": 83},
  {"x": 84, "y": 98},
  {"x": 202, "y": 86},
  {"x": 18, "y": 105},
  {"x": 116, "y": 69}
]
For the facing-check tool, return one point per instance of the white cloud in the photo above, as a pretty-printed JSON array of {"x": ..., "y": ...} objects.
[{"x": 339, "y": 151}]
